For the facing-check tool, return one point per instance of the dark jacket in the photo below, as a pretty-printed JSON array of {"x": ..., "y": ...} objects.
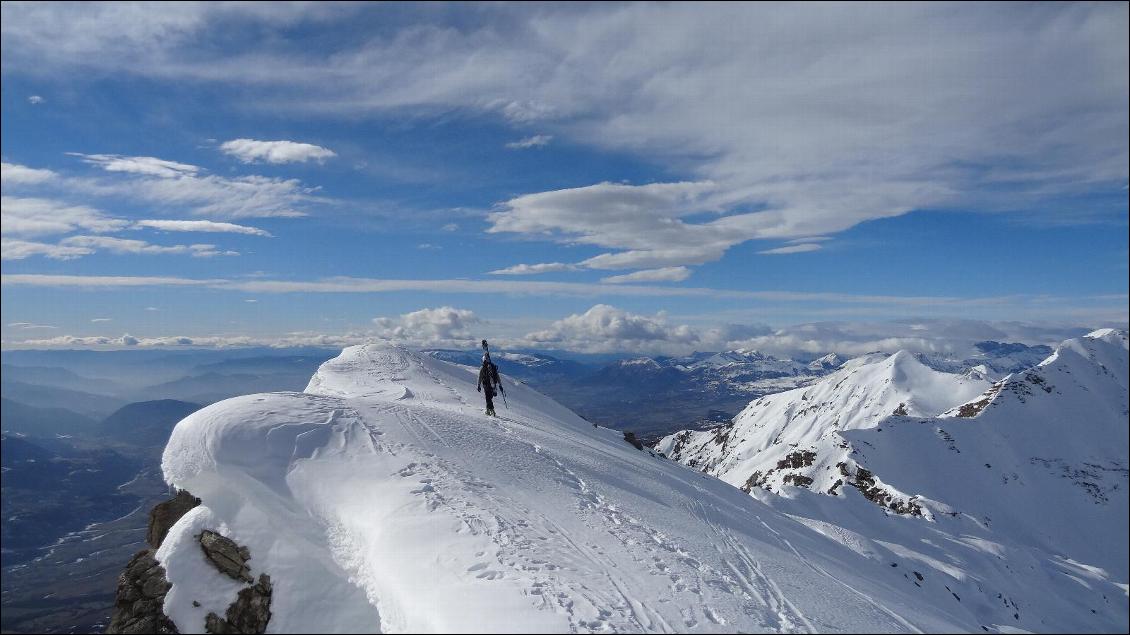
[{"x": 488, "y": 377}]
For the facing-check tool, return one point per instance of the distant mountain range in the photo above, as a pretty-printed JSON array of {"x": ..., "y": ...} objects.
[{"x": 654, "y": 396}]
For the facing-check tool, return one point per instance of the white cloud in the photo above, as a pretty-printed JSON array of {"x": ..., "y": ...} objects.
[
  {"x": 42, "y": 217},
  {"x": 1092, "y": 309},
  {"x": 12, "y": 249},
  {"x": 606, "y": 328},
  {"x": 35, "y": 100},
  {"x": 209, "y": 195},
  {"x": 250, "y": 151},
  {"x": 33, "y": 217},
  {"x": 148, "y": 166},
  {"x": 844, "y": 113},
  {"x": 216, "y": 196},
  {"x": 645, "y": 221},
  {"x": 428, "y": 246},
  {"x": 450, "y": 227},
  {"x": 791, "y": 249},
  {"x": 172, "y": 185},
  {"x": 664, "y": 274},
  {"x": 100, "y": 319},
  {"x": 30, "y": 325},
  {"x": 525, "y": 270},
  {"x": 945, "y": 336},
  {"x": 136, "y": 37},
  {"x": 609, "y": 329},
  {"x": 131, "y": 246},
  {"x": 16, "y": 174},
  {"x": 205, "y": 341},
  {"x": 439, "y": 326},
  {"x": 91, "y": 282},
  {"x": 127, "y": 340},
  {"x": 200, "y": 226},
  {"x": 535, "y": 141}
]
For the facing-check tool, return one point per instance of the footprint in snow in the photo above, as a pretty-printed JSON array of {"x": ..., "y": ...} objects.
[{"x": 712, "y": 616}]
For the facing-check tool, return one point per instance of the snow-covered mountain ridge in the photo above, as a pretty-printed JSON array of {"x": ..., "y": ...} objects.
[
  {"x": 382, "y": 499},
  {"x": 1034, "y": 470},
  {"x": 794, "y": 437}
]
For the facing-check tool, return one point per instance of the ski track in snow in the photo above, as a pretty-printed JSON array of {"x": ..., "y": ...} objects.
[
  {"x": 447, "y": 519},
  {"x": 665, "y": 558},
  {"x": 514, "y": 536}
]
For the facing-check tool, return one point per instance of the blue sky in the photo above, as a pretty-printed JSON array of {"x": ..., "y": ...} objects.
[{"x": 611, "y": 177}]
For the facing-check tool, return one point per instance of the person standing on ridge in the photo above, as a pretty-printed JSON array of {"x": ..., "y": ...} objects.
[{"x": 489, "y": 379}]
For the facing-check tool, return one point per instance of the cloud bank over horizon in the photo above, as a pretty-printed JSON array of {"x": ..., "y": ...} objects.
[{"x": 606, "y": 329}]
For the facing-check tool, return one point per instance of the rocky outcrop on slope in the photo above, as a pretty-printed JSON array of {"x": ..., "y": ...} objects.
[
  {"x": 139, "y": 605},
  {"x": 141, "y": 597},
  {"x": 248, "y": 614},
  {"x": 164, "y": 515},
  {"x": 228, "y": 557}
]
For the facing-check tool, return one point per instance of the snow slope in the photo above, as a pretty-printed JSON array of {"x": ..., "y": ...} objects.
[
  {"x": 382, "y": 499},
  {"x": 801, "y": 428},
  {"x": 1041, "y": 457},
  {"x": 1022, "y": 490}
]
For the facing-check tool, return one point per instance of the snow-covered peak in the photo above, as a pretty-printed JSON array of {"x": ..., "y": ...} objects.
[
  {"x": 1105, "y": 347},
  {"x": 1021, "y": 490},
  {"x": 644, "y": 362},
  {"x": 868, "y": 388},
  {"x": 736, "y": 356},
  {"x": 1080, "y": 374},
  {"x": 829, "y": 361},
  {"x": 1109, "y": 335},
  {"x": 381, "y": 499},
  {"x": 864, "y": 391}
]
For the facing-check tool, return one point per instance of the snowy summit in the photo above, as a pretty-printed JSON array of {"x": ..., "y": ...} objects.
[{"x": 381, "y": 499}]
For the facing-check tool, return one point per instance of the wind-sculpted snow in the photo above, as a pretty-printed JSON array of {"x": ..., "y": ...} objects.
[
  {"x": 382, "y": 499},
  {"x": 1014, "y": 499}
]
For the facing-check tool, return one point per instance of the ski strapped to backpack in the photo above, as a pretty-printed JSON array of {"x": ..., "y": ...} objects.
[{"x": 494, "y": 373}]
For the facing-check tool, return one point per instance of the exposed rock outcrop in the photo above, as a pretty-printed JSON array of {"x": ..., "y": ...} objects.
[
  {"x": 139, "y": 605},
  {"x": 250, "y": 612},
  {"x": 164, "y": 515},
  {"x": 141, "y": 597},
  {"x": 228, "y": 557}
]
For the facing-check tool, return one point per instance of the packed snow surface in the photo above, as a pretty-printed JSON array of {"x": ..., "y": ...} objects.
[{"x": 382, "y": 499}]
